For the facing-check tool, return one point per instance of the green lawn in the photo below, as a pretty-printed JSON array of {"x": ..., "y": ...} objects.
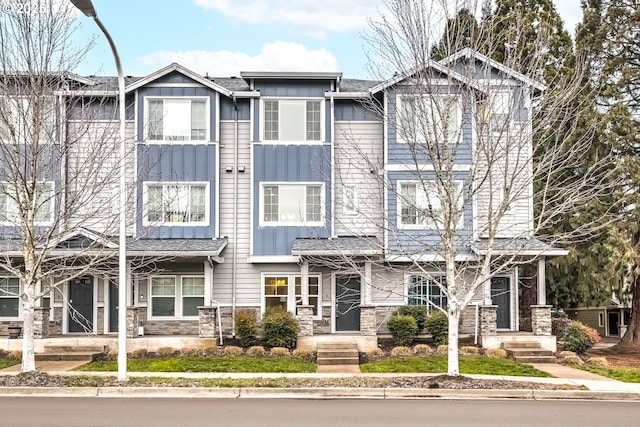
[
  {"x": 5, "y": 363},
  {"x": 438, "y": 364},
  {"x": 207, "y": 364},
  {"x": 627, "y": 375}
]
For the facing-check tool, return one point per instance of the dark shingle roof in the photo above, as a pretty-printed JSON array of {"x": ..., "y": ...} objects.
[
  {"x": 521, "y": 246},
  {"x": 349, "y": 245}
]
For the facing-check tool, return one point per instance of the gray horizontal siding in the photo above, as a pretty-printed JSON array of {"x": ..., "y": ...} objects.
[
  {"x": 350, "y": 110},
  {"x": 293, "y": 88},
  {"x": 228, "y": 109}
]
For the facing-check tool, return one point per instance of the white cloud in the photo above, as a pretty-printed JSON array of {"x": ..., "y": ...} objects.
[
  {"x": 276, "y": 56},
  {"x": 313, "y": 18}
]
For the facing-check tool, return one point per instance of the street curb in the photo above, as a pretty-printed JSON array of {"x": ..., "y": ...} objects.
[{"x": 313, "y": 393}]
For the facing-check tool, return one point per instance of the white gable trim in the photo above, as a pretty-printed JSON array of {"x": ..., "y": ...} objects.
[{"x": 182, "y": 70}]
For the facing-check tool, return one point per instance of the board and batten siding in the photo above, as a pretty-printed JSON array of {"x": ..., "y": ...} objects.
[{"x": 358, "y": 156}]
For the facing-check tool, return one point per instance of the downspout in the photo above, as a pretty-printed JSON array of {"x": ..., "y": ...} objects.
[{"x": 234, "y": 264}]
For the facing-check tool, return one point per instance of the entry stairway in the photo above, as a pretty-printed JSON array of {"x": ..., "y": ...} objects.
[
  {"x": 86, "y": 353},
  {"x": 338, "y": 357},
  {"x": 528, "y": 352}
]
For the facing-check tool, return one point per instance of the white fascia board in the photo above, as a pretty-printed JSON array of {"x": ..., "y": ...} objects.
[
  {"x": 182, "y": 70},
  {"x": 422, "y": 168},
  {"x": 347, "y": 95},
  {"x": 272, "y": 259}
]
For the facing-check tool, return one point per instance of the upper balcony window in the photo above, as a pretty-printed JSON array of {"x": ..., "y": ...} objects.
[
  {"x": 15, "y": 203},
  {"x": 292, "y": 204},
  {"x": 429, "y": 119},
  {"x": 21, "y": 118},
  {"x": 176, "y": 204},
  {"x": 420, "y": 205},
  {"x": 293, "y": 120},
  {"x": 177, "y": 119}
]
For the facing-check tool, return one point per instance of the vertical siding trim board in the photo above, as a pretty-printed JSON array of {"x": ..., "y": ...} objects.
[
  {"x": 330, "y": 116},
  {"x": 385, "y": 150},
  {"x": 216, "y": 202},
  {"x": 252, "y": 207}
]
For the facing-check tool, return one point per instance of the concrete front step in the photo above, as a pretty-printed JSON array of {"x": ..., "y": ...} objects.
[
  {"x": 73, "y": 348},
  {"x": 528, "y": 352},
  {"x": 535, "y": 359},
  {"x": 72, "y": 356},
  {"x": 337, "y": 354},
  {"x": 337, "y": 361}
]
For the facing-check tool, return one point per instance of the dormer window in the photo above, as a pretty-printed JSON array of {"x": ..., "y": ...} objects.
[
  {"x": 177, "y": 119},
  {"x": 292, "y": 120}
]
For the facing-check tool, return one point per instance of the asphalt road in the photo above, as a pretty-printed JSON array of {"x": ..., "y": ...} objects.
[{"x": 143, "y": 412}]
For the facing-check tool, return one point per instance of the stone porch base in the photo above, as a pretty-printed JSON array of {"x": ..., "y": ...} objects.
[
  {"x": 547, "y": 342},
  {"x": 364, "y": 342}
]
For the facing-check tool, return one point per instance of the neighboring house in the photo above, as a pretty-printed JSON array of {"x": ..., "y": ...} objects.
[
  {"x": 609, "y": 318},
  {"x": 249, "y": 194}
]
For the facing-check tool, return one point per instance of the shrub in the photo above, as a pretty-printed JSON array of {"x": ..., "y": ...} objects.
[
  {"x": 280, "y": 328},
  {"x": 303, "y": 353},
  {"x": 15, "y": 355},
  {"x": 256, "y": 350},
  {"x": 375, "y": 354},
  {"x": 579, "y": 338},
  {"x": 166, "y": 351},
  {"x": 280, "y": 352},
  {"x": 190, "y": 351},
  {"x": 442, "y": 349},
  {"x": 210, "y": 350},
  {"x": 422, "y": 349},
  {"x": 558, "y": 325},
  {"x": 469, "y": 350},
  {"x": 403, "y": 329},
  {"x": 418, "y": 312},
  {"x": 437, "y": 324},
  {"x": 232, "y": 350},
  {"x": 599, "y": 361},
  {"x": 137, "y": 353},
  {"x": 496, "y": 353},
  {"x": 112, "y": 355},
  {"x": 573, "y": 360},
  {"x": 566, "y": 353},
  {"x": 246, "y": 327},
  {"x": 400, "y": 351}
]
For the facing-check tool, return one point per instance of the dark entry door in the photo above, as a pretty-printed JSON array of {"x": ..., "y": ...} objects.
[
  {"x": 614, "y": 321},
  {"x": 81, "y": 305},
  {"x": 348, "y": 303},
  {"x": 113, "y": 307},
  {"x": 501, "y": 296}
]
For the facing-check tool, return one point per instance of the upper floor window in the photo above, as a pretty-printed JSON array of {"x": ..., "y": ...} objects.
[
  {"x": 177, "y": 203},
  {"x": 292, "y": 204},
  {"x": 294, "y": 120},
  {"x": 13, "y": 204},
  {"x": 427, "y": 291},
  {"x": 177, "y": 119},
  {"x": 428, "y": 119},
  {"x": 9, "y": 297},
  {"x": 350, "y": 200},
  {"x": 420, "y": 205},
  {"x": 501, "y": 109},
  {"x": 19, "y": 119}
]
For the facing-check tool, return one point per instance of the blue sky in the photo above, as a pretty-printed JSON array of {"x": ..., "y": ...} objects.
[{"x": 224, "y": 37}]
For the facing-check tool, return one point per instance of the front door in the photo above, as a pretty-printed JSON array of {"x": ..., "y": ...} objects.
[
  {"x": 348, "y": 303},
  {"x": 501, "y": 296},
  {"x": 614, "y": 321},
  {"x": 113, "y": 307},
  {"x": 81, "y": 305}
]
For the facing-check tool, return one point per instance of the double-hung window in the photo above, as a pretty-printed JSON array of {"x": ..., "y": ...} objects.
[
  {"x": 21, "y": 118},
  {"x": 420, "y": 204},
  {"x": 501, "y": 109},
  {"x": 176, "y": 296},
  {"x": 15, "y": 202},
  {"x": 179, "y": 119},
  {"x": 285, "y": 291},
  {"x": 292, "y": 204},
  {"x": 428, "y": 119},
  {"x": 426, "y": 291},
  {"x": 350, "y": 200},
  {"x": 292, "y": 120},
  {"x": 179, "y": 203},
  {"x": 9, "y": 297}
]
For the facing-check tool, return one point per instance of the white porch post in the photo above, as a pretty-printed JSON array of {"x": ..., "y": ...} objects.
[
  {"x": 304, "y": 285},
  {"x": 542, "y": 290}
]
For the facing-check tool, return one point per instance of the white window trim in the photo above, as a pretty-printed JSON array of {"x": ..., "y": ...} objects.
[
  {"x": 301, "y": 142},
  {"x": 432, "y": 98},
  {"x": 320, "y": 223},
  {"x": 291, "y": 295},
  {"x": 509, "y": 112},
  {"x": 207, "y": 113},
  {"x": 427, "y": 226},
  {"x": 177, "y": 297},
  {"x": 601, "y": 316},
  {"x": 4, "y": 295},
  {"x": 51, "y": 208},
  {"x": 346, "y": 209},
  {"x": 145, "y": 204},
  {"x": 430, "y": 275}
]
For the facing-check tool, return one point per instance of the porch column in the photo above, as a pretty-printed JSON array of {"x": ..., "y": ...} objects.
[
  {"x": 488, "y": 320},
  {"x": 305, "y": 320},
  {"x": 40, "y": 322},
  {"x": 207, "y": 321},
  {"x": 541, "y": 319},
  {"x": 368, "y": 320},
  {"x": 542, "y": 289},
  {"x": 132, "y": 322},
  {"x": 304, "y": 279}
]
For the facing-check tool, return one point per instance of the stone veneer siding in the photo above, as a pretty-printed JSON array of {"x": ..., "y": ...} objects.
[
  {"x": 488, "y": 320},
  {"x": 541, "y": 319}
]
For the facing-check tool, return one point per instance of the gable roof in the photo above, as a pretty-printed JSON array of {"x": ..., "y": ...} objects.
[
  {"x": 469, "y": 53},
  {"x": 430, "y": 64},
  {"x": 182, "y": 70}
]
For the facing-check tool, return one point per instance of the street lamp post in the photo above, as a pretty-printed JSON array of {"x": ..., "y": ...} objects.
[{"x": 86, "y": 7}]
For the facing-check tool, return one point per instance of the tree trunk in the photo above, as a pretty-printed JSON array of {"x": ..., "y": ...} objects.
[
  {"x": 632, "y": 336},
  {"x": 28, "y": 353},
  {"x": 453, "y": 366}
]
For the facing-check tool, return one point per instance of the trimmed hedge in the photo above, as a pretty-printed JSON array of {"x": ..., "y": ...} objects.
[
  {"x": 403, "y": 328},
  {"x": 437, "y": 324},
  {"x": 280, "y": 328}
]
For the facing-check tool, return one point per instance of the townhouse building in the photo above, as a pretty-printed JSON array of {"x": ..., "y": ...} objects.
[{"x": 292, "y": 190}]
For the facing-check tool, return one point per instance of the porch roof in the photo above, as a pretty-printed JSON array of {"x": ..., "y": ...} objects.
[
  {"x": 517, "y": 246},
  {"x": 338, "y": 246}
]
